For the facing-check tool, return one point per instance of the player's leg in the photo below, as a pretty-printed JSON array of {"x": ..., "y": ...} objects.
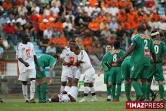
[
  {"x": 38, "y": 87},
  {"x": 119, "y": 80},
  {"x": 113, "y": 81},
  {"x": 93, "y": 92},
  {"x": 160, "y": 78},
  {"x": 64, "y": 78},
  {"x": 44, "y": 90},
  {"x": 135, "y": 75},
  {"x": 86, "y": 91},
  {"x": 32, "y": 77},
  {"x": 144, "y": 75},
  {"x": 125, "y": 71},
  {"x": 109, "y": 87},
  {"x": 23, "y": 77}
]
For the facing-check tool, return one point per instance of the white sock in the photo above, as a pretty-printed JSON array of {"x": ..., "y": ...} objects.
[
  {"x": 86, "y": 91},
  {"x": 92, "y": 89},
  {"x": 109, "y": 97},
  {"x": 25, "y": 92},
  {"x": 67, "y": 88},
  {"x": 32, "y": 89},
  {"x": 62, "y": 88}
]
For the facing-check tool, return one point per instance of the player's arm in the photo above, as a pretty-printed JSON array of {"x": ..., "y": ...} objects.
[
  {"x": 129, "y": 51},
  {"x": 22, "y": 61},
  {"x": 35, "y": 60},
  {"x": 152, "y": 51},
  {"x": 19, "y": 54},
  {"x": 100, "y": 69},
  {"x": 71, "y": 98}
]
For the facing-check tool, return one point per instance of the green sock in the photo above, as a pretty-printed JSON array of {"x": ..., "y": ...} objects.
[
  {"x": 127, "y": 90},
  {"x": 140, "y": 85},
  {"x": 148, "y": 91},
  {"x": 118, "y": 91},
  {"x": 137, "y": 88},
  {"x": 113, "y": 92},
  {"x": 161, "y": 90},
  {"x": 144, "y": 88},
  {"x": 38, "y": 92},
  {"x": 44, "y": 88},
  {"x": 109, "y": 90}
]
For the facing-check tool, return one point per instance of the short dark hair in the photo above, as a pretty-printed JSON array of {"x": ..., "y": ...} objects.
[
  {"x": 116, "y": 44},
  {"x": 72, "y": 40},
  {"x": 109, "y": 44},
  {"x": 141, "y": 28},
  {"x": 56, "y": 56}
]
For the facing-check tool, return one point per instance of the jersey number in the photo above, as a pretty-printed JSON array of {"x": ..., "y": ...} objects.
[
  {"x": 114, "y": 58},
  {"x": 156, "y": 48},
  {"x": 145, "y": 44}
]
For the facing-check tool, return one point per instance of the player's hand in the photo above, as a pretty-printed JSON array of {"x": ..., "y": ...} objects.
[
  {"x": 76, "y": 64},
  {"x": 50, "y": 82},
  {"x": 99, "y": 74},
  {"x": 154, "y": 66},
  {"x": 67, "y": 64},
  {"x": 26, "y": 64},
  {"x": 119, "y": 61}
]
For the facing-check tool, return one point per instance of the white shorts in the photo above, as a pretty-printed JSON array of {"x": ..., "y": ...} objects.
[
  {"x": 30, "y": 73},
  {"x": 88, "y": 75},
  {"x": 75, "y": 73},
  {"x": 65, "y": 73},
  {"x": 74, "y": 92}
]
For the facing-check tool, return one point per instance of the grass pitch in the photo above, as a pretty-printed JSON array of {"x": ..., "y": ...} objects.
[{"x": 101, "y": 105}]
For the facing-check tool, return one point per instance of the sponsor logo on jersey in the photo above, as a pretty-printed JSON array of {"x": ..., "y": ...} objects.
[
  {"x": 156, "y": 42},
  {"x": 115, "y": 51},
  {"x": 145, "y": 36}
]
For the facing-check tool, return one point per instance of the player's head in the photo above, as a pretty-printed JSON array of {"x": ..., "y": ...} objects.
[
  {"x": 116, "y": 44},
  {"x": 141, "y": 28},
  {"x": 155, "y": 34},
  {"x": 25, "y": 37},
  {"x": 55, "y": 98},
  {"x": 108, "y": 47},
  {"x": 56, "y": 56},
  {"x": 76, "y": 49},
  {"x": 72, "y": 43}
]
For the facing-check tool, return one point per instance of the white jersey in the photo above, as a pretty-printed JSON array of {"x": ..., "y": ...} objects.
[
  {"x": 83, "y": 56},
  {"x": 68, "y": 56},
  {"x": 26, "y": 52},
  {"x": 63, "y": 98}
]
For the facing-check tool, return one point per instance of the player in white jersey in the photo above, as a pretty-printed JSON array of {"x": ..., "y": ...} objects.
[
  {"x": 83, "y": 61},
  {"x": 26, "y": 63},
  {"x": 69, "y": 95},
  {"x": 68, "y": 71}
]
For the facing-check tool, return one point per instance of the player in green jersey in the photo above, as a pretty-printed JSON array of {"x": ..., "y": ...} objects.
[
  {"x": 116, "y": 76},
  {"x": 142, "y": 47},
  {"x": 107, "y": 77},
  {"x": 125, "y": 71},
  {"x": 158, "y": 72},
  {"x": 44, "y": 61}
]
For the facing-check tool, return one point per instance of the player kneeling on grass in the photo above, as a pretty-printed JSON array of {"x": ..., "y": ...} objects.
[
  {"x": 67, "y": 96},
  {"x": 44, "y": 60},
  {"x": 84, "y": 63}
]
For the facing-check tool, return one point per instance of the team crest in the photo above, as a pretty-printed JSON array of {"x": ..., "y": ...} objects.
[
  {"x": 67, "y": 54},
  {"x": 23, "y": 48}
]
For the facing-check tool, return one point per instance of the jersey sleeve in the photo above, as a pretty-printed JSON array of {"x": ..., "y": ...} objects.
[
  {"x": 152, "y": 51},
  {"x": 62, "y": 55},
  {"x": 52, "y": 62},
  {"x": 33, "y": 49},
  {"x": 135, "y": 40},
  {"x": 19, "y": 51},
  {"x": 81, "y": 56}
]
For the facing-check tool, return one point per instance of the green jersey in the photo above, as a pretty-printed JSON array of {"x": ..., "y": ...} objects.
[
  {"x": 144, "y": 48},
  {"x": 106, "y": 58},
  {"x": 45, "y": 60},
  {"x": 116, "y": 54},
  {"x": 159, "y": 49}
]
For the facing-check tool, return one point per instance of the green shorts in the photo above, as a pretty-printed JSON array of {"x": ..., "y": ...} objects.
[
  {"x": 40, "y": 74},
  {"x": 107, "y": 77},
  {"x": 139, "y": 71},
  {"x": 125, "y": 69},
  {"x": 116, "y": 76},
  {"x": 157, "y": 73}
]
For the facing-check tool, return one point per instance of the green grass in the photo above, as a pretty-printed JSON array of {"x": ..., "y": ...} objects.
[{"x": 101, "y": 105}]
